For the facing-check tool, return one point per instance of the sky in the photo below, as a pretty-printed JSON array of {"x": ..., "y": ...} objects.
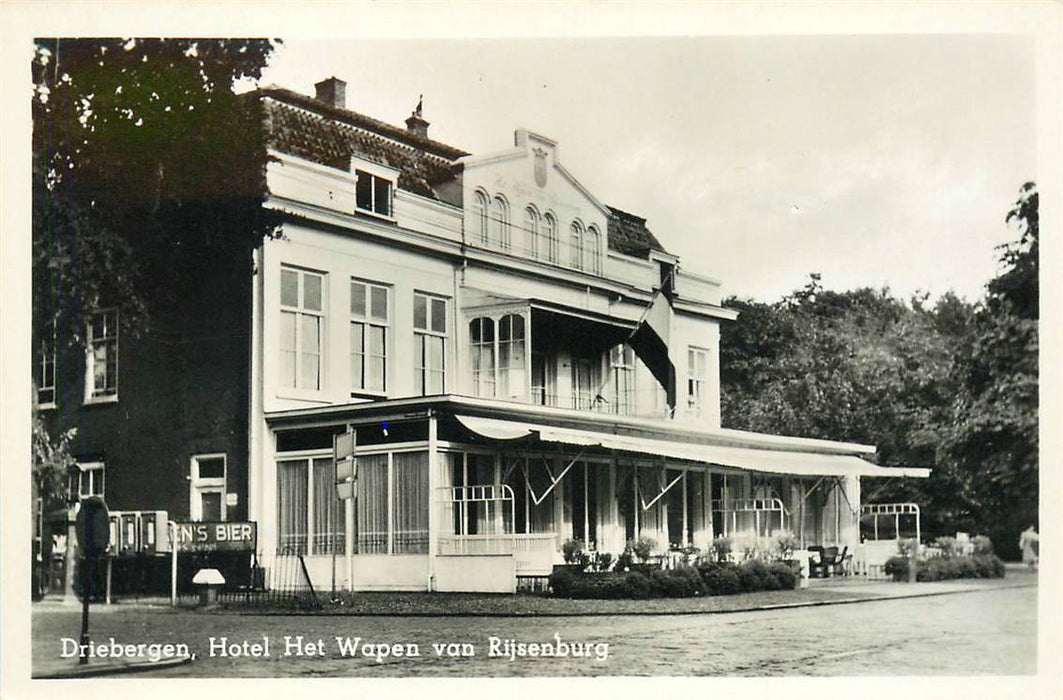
[{"x": 874, "y": 160}]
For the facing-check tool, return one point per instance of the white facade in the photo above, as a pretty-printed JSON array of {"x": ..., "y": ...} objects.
[{"x": 374, "y": 296}]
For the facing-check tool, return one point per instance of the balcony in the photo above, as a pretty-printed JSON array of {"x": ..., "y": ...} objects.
[{"x": 530, "y": 353}]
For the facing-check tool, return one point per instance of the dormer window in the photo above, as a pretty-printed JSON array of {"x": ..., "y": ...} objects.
[{"x": 373, "y": 188}]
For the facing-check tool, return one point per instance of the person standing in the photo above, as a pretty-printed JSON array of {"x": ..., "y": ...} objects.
[{"x": 1028, "y": 543}]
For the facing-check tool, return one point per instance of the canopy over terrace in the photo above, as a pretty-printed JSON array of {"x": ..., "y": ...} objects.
[{"x": 557, "y": 474}]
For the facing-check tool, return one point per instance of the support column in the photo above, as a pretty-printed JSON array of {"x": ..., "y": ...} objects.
[{"x": 433, "y": 498}]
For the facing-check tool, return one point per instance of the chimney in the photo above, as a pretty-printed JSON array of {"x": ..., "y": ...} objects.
[
  {"x": 332, "y": 91},
  {"x": 415, "y": 123}
]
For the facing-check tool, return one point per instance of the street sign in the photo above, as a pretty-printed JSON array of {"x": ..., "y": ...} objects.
[
  {"x": 93, "y": 527},
  {"x": 346, "y": 463},
  {"x": 216, "y": 536},
  {"x": 345, "y": 445},
  {"x": 346, "y": 469}
]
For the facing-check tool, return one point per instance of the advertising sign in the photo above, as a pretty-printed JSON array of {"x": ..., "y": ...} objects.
[{"x": 216, "y": 537}]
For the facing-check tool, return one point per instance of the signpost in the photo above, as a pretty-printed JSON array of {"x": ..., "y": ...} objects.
[
  {"x": 93, "y": 531},
  {"x": 346, "y": 487},
  {"x": 229, "y": 536}
]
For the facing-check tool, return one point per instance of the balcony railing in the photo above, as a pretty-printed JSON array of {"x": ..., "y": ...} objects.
[{"x": 637, "y": 404}]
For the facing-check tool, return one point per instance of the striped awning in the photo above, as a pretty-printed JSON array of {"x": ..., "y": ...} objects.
[{"x": 776, "y": 461}]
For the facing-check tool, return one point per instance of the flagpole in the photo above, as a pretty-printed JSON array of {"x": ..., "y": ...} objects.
[{"x": 642, "y": 319}]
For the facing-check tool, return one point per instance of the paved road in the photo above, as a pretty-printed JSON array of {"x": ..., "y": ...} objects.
[{"x": 991, "y": 632}]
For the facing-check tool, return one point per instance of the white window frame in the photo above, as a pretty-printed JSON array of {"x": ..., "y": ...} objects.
[
  {"x": 299, "y": 311},
  {"x": 496, "y": 318},
  {"x": 622, "y": 363},
  {"x": 592, "y": 251},
  {"x": 310, "y": 456},
  {"x": 366, "y": 321},
  {"x": 531, "y": 231},
  {"x": 481, "y": 204},
  {"x": 697, "y": 386},
  {"x": 420, "y": 336},
  {"x": 376, "y": 172},
  {"x": 92, "y": 468},
  {"x": 91, "y": 393},
  {"x": 552, "y": 235},
  {"x": 201, "y": 485},
  {"x": 576, "y": 244},
  {"x": 499, "y": 223},
  {"x": 47, "y": 365}
]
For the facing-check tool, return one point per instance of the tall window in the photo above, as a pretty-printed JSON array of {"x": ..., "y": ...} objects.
[
  {"x": 585, "y": 374},
  {"x": 543, "y": 379},
  {"x": 309, "y": 514},
  {"x": 592, "y": 252},
  {"x": 44, "y": 369},
  {"x": 500, "y": 223},
  {"x": 482, "y": 347},
  {"x": 391, "y": 509},
  {"x": 531, "y": 232},
  {"x": 369, "y": 324},
  {"x": 697, "y": 379},
  {"x": 575, "y": 245},
  {"x": 101, "y": 371},
  {"x": 550, "y": 236},
  {"x": 499, "y": 356},
  {"x": 479, "y": 218},
  {"x": 89, "y": 479},
  {"x": 301, "y": 329},
  {"x": 430, "y": 337},
  {"x": 513, "y": 375},
  {"x": 373, "y": 193},
  {"x": 622, "y": 363},
  {"x": 208, "y": 488}
]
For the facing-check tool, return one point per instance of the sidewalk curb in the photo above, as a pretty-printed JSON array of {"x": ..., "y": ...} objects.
[
  {"x": 90, "y": 670},
  {"x": 871, "y": 598}
]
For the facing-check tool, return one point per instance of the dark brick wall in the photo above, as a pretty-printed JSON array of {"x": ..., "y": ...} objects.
[{"x": 183, "y": 389}]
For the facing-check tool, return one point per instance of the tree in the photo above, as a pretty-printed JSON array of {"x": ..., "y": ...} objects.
[
  {"x": 860, "y": 366},
  {"x": 147, "y": 166},
  {"x": 994, "y": 437}
]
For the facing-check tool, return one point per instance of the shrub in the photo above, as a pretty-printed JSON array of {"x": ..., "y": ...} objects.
[
  {"x": 721, "y": 579},
  {"x": 897, "y": 567},
  {"x": 680, "y": 582},
  {"x": 562, "y": 581},
  {"x": 602, "y": 561},
  {"x": 784, "y": 574},
  {"x": 786, "y": 542},
  {"x": 982, "y": 545},
  {"x": 722, "y": 546},
  {"x": 625, "y": 561},
  {"x": 643, "y": 548},
  {"x": 637, "y": 585},
  {"x": 572, "y": 551},
  {"x": 948, "y": 545}
]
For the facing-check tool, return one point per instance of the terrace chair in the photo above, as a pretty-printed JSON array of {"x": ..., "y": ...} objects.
[
  {"x": 840, "y": 565},
  {"x": 822, "y": 568}
]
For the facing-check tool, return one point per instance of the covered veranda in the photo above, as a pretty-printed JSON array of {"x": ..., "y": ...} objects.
[{"x": 457, "y": 493}]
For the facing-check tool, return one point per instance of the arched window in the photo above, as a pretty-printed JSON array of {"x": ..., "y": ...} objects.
[
  {"x": 550, "y": 236},
  {"x": 479, "y": 218},
  {"x": 575, "y": 245},
  {"x": 531, "y": 232},
  {"x": 500, "y": 223},
  {"x": 592, "y": 251},
  {"x": 482, "y": 347}
]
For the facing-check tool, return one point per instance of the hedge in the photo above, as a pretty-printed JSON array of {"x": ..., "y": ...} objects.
[
  {"x": 680, "y": 582},
  {"x": 945, "y": 568}
]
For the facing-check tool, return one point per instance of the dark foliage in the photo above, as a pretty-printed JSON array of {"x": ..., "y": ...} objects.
[
  {"x": 148, "y": 175},
  {"x": 952, "y": 386}
]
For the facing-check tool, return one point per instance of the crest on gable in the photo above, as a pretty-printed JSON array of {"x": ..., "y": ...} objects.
[{"x": 540, "y": 166}]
